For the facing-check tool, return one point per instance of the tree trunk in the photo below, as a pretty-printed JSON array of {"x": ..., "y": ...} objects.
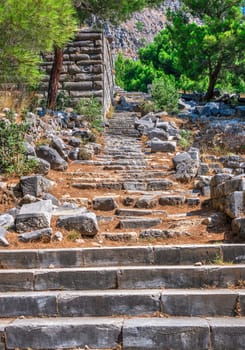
[
  {"x": 54, "y": 78},
  {"x": 213, "y": 77}
]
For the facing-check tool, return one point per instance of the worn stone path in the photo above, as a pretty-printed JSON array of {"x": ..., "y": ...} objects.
[
  {"x": 134, "y": 190},
  {"x": 149, "y": 296}
]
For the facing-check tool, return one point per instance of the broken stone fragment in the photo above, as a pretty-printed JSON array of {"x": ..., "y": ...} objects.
[
  {"x": 43, "y": 234},
  {"x": 3, "y": 240},
  {"x": 6, "y": 221}
]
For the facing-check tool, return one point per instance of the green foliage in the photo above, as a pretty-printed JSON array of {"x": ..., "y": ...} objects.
[
  {"x": 185, "y": 138},
  {"x": 160, "y": 54},
  {"x": 165, "y": 94},
  {"x": 134, "y": 75},
  {"x": 28, "y": 27},
  {"x": 91, "y": 109},
  {"x": 12, "y": 150},
  {"x": 62, "y": 101},
  {"x": 113, "y": 10},
  {"x": 213, "y": 49},
  {"x": 200, "y": 55},
  {"x": 140, "y": 26}
]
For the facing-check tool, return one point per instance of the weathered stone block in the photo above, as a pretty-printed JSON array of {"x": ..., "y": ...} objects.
[
  {"x": 78, "y": 86},
  {"x": 108, "y": 303},
  {"x": 118, "y": 256},
  {"x": 235, "y": 204},
  {"x": 98, "y": 85},
  {"x": 227, "y": 333},
  {"x": 181, "y": 157},
  {"x": 52, "y": 156},
  {"x": 238, "y": 227},
  {"x": 67, "y": 333},
  {"x": 174, "y": 334},
  {"x": 158, "y": 133},
  {"x": 76, "y": 279},
  {"x": 159, "y": 185},
  {"x": 235, "y": 184},
  {"x": 31, "y": 304},
  {"x": 172, "y": 200},
  {"x": 104, "y": 203},
  {"x": 139, "y": 223},
  {"x": 79, "y": 57},
  {"x": 34, "y": 216},
  {"x": 16, "y": 280},
  {"x": 199, "y": 303},
  {"x": 146, "y": 202},
  {"x": 85, "y": 223},
  {"x": 35, "y": 185},
  {"x": 162, "y": 146}
]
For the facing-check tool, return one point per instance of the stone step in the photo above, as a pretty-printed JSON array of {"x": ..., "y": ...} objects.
[
  {"x": 139, "y": 212},
  {"x": 116, "y": 256},
  {"x": 128, "y": 334},
  {"x": 100, "y": 185},
  {"x": 187, "y": 302},
  {"x": 130, "y": 277},
  {"x": 184, "y": 333},
  {"x": 63, "y": 333},
  {"x": 138, "y": 223},
  {"x": 128, "y": 185}
]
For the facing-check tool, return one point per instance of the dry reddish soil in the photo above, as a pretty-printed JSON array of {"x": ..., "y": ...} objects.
[{"x": 198, "y": 233}]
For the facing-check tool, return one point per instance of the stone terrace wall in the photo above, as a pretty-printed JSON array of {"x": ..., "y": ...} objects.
[{"x": 87, "y": 69}]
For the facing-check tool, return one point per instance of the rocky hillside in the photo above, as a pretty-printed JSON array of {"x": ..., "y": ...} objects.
[{"x": 141, "y": 28}]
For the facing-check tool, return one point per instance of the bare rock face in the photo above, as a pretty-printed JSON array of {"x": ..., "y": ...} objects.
[{"x": 141, "y": 29}]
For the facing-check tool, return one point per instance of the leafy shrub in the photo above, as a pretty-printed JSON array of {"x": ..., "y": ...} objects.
[
  {"x": 165, "y": 94},
  {"x": 134, "y": 75},
  {"x": 185, "y": 138},
  {"x": 84, "y": 154},
  {"x": 140, "y": 26},
  {"x": 13, "y": 159},
  {"x": 62, "y": 101},
  {"x": 90, "y": 108}
]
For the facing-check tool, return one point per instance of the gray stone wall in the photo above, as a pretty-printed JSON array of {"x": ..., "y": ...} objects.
[{"x": 87, "y": 69}]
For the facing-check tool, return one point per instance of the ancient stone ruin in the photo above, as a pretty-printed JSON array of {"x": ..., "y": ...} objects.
[{"x": 87, "y": 69}]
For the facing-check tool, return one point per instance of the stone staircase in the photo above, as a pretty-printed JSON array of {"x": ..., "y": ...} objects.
[
  {"x": 145, "y": 296},
  {"x": 161, "y": 297},
  {"x": 141, "y": 184}
]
